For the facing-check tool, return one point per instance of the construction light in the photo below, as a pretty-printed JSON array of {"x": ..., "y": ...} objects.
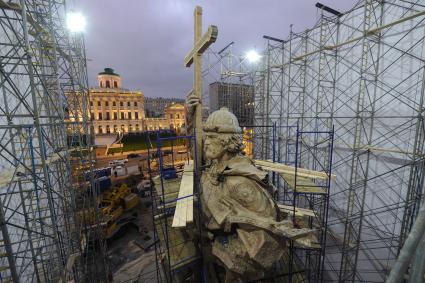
[
  {"x": 252, "y": 56},
  {"x": 76, "y": 22}
]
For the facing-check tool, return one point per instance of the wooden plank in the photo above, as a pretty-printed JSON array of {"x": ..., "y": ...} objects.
[
  {"x": 184, "y": 207},
  {"x": 298, "y": 211},
  {"x": 304, "y": 185},
  {"x": 286, "y": 169},
  {"x": 172, "y": 204}
]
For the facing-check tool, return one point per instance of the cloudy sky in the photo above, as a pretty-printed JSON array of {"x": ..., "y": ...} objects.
[{"x": 145, "y": 41}]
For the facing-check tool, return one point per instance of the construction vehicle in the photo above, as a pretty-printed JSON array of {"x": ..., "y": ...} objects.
[{"x": 116, "y": 208}]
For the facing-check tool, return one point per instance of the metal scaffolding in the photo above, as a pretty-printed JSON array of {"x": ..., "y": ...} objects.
[
  {"x": 286, "y": 144},
  {"x": 46, "y": 180},
  {"x": 178, "y": 256},
  {"x": 229, "y": 80},
  {"x": 236, "y": 83},
  {"x": 362, "y": 71}
]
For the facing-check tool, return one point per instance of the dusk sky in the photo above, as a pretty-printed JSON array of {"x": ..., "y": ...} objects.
[{"x": 146, "y": 41}]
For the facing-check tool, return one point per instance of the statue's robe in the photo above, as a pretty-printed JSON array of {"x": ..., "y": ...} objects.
[{"x": 242, "y": 216}]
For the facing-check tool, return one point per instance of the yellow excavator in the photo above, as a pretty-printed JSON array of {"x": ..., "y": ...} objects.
[{"x": 117, "y": 207}]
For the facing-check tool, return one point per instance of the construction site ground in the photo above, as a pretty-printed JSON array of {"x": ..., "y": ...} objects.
[{"x": 131, "y": 250}]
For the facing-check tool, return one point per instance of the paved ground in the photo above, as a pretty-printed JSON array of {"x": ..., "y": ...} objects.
[
  {"x": 103, "y": 161},
  {"x": 129, "y": 261}
]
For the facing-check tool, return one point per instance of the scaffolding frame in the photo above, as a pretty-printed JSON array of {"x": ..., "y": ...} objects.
[
  {"x": 171, "y": 243},
  {"x": 362, "y": 71},
  {"x": 236, "y": 81},
  {"x": 285, "y": 143},
  {"x": 45, "y": 149},
  {"x": 306, "y": 200}
]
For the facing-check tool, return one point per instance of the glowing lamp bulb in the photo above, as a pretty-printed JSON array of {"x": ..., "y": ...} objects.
[
  {"x": 252, "y": 56},
  {"x": 76, "y": 22}
]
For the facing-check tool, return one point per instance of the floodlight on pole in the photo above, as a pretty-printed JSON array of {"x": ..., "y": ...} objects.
[
  {"x": 76, "y": 22},
  {"x": 252, "y": 56}
]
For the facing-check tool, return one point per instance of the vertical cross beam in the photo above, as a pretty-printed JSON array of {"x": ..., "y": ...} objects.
[
  {"x": 197, "y": 83},
  {"x": 201, "y": 43}
]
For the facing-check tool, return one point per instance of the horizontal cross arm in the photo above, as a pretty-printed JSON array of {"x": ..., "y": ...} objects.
[{"x": 207, "y": 39}]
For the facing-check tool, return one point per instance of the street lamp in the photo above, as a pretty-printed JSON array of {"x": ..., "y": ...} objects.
[
  {"x": 252, "y": 56},
  {"x": 76, "y": 22}
]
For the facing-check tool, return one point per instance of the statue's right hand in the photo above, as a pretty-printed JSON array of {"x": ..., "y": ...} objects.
[{"x": 191, "y": 102}]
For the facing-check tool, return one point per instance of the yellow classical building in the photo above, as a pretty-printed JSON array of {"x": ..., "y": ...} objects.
[
  {"x": 173, "y": 119},
  {"x": 113, "y": 108}
]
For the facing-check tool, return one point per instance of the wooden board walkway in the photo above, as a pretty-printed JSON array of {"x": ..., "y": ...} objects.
[
  {"x": 290, "y": 170},
  {"x": 304, "y": 185},
  {"x": 299, "y": 212},
  {"x": 184, "y": 207},
  {"x": 304, "y": 177}
]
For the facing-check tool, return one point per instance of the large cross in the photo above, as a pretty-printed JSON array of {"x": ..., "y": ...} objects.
[{"x": 201, "y": 43}]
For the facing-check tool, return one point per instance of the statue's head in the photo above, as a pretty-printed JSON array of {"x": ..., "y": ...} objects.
[{"x": 222, "y": 135}]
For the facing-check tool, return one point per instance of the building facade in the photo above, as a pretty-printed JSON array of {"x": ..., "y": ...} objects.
[
  {"x": 155, "y": 106},
  {"x": 115, "y": 109},
  {"x": 173, "y": 118}
]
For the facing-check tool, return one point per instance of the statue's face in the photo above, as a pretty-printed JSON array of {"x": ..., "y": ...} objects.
[{"x": 212, "y": 147}]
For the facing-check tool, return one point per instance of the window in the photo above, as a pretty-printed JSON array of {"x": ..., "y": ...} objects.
[
  {"x": 122, "y": 128},
  {"x": 100, "y": 130},
  {"x": 115, "y": 84},
  {"x": 135, "y": 103},
  {"x": 137, "y": 127},
  {"x": 114, "y": 103},
  {"x": 101, "y": 84},
  {"x": 122, "y": 116},
  {"x": 100, "y": 116},
  {"x": 108, "y": 84},
  {"x": 171, "y": 116},
  {"x": 115, "y": 128},
  {"x": 136, "y": 115},
  {"x": 106, "y": 103},
  {"x": 91, "y": 103},
  {"x": 130, "y": 128},
  {"x": 91, "y": 115},
  {"x": 108, "y": 130},
  {"x": 108, "y": 116},
  {"x": 121, "y": 104},
  {"x": 115, "y": 116},
  {"x": 177, "y": 116},
  {"x": 129, "y": 115},
  {"x": 128, "y": 103},
  {"x": 99, "y": 103}
]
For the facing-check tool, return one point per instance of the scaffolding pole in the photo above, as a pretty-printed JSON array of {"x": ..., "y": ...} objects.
[
  {"x": 361, "y": 71},
  {"x": 46, "y": 180}
]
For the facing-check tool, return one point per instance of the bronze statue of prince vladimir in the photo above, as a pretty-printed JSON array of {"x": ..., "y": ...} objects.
[{"x": 246, "y": 234}]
